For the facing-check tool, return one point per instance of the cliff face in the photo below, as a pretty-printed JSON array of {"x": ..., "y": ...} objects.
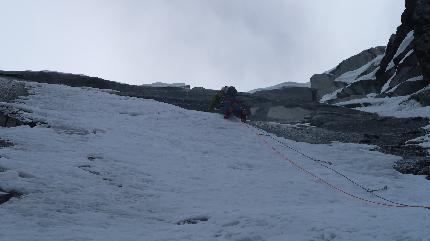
[
  {"x": 419, "y": 18},
  {"x": 402, "y": 69}
]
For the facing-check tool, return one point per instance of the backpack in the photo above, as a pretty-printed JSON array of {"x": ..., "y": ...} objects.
[{"x": 230, "y": 91}]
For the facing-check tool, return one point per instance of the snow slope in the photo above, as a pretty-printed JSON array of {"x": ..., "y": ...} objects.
[{"x": 120, "y": 168}]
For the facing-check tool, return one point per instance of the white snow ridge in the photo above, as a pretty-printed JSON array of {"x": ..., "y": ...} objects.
[{"x": 110, "y": 168}]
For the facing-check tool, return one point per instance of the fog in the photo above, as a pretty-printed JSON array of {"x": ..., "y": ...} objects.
[{"x": 246, "y": 43}]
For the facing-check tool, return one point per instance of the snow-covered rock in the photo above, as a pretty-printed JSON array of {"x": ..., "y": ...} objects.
[
  {"x": 366, "y": 72},
  {"x": 402, "y": 70},
  {"x": 347, "y": 71}
]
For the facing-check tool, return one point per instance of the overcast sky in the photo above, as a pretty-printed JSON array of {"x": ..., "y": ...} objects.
[{"x": 209, "y": 43}]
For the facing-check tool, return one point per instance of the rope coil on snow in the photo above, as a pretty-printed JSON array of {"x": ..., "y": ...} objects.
[
  {"x": 393, "y": 204},
  {"x": 293, "y": 149},
  {"x": 372, "y": 191}
]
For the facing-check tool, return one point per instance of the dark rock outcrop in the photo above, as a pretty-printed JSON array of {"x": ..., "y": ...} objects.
[
  {"x": 359, "y": 89},
  {"x": 393, "y": 45},
  {"x": 408, "y": 87},
  {"x": 8, "y": 121},
  {"x": 414, "y": 19},
  {"x": 7, "y": 195},
  {"x": 417, "y": 15},
  {"x": 5, "y": 143},
  {"x": 422, "y": 97},
  {"x": 11, "y": 119}
]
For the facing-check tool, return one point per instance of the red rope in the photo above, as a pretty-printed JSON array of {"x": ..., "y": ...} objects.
[{"x": 333, "y": 187}]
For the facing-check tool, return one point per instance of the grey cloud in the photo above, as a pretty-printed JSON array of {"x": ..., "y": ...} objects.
[{"x": 247, "y": 43}]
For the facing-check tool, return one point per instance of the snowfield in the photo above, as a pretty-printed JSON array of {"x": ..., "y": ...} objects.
[{"x": 113, "y": 168}]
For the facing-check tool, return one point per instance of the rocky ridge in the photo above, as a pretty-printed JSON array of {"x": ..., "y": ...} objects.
[
  {"x": 400, "y": 69},
  {"x": 399, "y": 75}
]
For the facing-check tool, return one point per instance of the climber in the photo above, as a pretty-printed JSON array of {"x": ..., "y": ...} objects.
[{"x": 226, "y": 100}]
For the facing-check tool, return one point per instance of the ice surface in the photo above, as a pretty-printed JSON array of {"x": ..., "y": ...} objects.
[{"x": 115, "y": 168}]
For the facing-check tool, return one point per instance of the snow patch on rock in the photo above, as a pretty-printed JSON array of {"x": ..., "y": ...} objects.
[
  {"x": 403, "y": 46},
  {"x": 330, "y": 96},
  {"x": 418, "y": 78},
  {"x": 353, "y": 76}
]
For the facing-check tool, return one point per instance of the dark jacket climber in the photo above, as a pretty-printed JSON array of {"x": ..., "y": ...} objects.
[{"x": 226, "y": 100}]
